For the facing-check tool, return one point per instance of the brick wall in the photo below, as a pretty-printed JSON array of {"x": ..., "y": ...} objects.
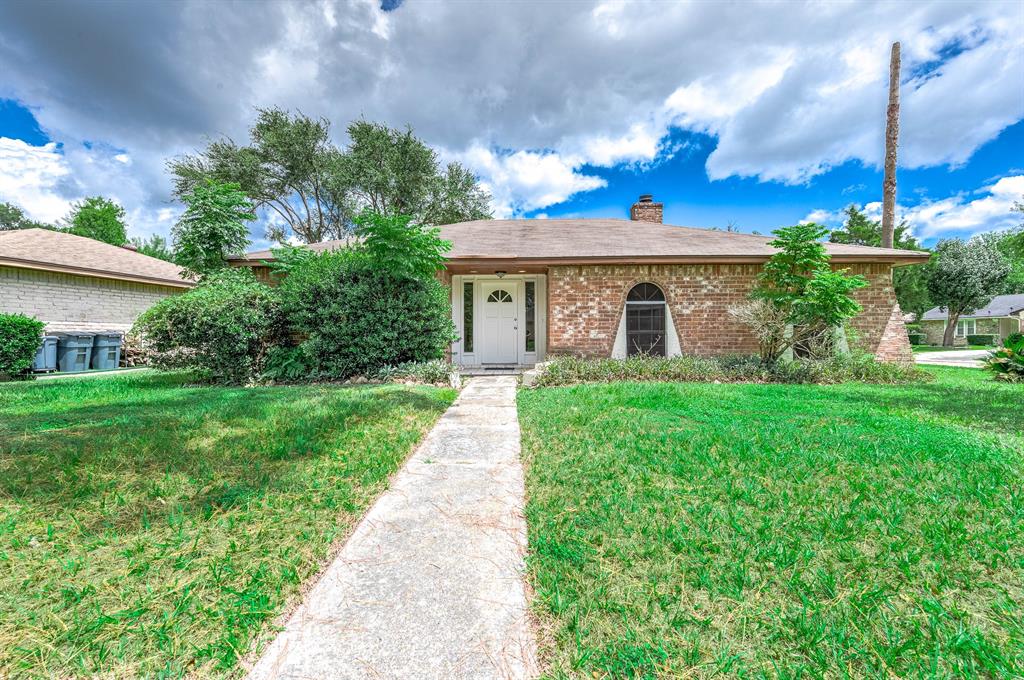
[
  {"x": 585, "y": 303},
  {"x": 71, "y": 302}
]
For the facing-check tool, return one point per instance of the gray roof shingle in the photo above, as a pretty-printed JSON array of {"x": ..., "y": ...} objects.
[
  {"x": 1001, "y": 305},
  {"x": 611, "y": 239},
  {"x": 56, "y": 251}
]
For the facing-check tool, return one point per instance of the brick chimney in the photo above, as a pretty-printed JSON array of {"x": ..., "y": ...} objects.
[{"x": 646, "y": 210}]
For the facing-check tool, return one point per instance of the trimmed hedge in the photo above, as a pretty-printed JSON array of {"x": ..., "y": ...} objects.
[
  {"x": 748, "y": 369},
  {"x": 20, "y": 337},
  {"x": 356, "y": 316},
  {"x": 223, "y": 328},
  {"x": 984, "y": 339},
  {"x": 917, "y": 338}
]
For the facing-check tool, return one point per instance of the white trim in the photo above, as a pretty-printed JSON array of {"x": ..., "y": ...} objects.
[
  {"x": 672, "y": 347},
  {"x": 518, "y": 282}
]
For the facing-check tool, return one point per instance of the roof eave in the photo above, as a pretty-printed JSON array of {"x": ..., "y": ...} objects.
[{"x": 97, "y": 273}]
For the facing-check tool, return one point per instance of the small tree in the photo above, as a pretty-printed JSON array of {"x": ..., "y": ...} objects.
[
  {"x": 12, "y": 217},
  {"x": 408, "y": 250},
  {"x": 154, "y": 246},
  {"x": 98, "y": 218},
  {"x": 803, "y": 290},
  {"x": 212, "y": 227},
  {"x": 963, "y": 276}
]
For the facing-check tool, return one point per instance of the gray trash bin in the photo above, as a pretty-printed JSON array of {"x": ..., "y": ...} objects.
[
  {"x": 106, "y": 351},
  {"x": 74, "y": 351},
  {"x": 46, "y": 355}
]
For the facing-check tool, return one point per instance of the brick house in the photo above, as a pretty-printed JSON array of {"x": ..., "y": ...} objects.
[
  {"x": 526, "y": 289},
  {"x": 1003, "y": 315},
  {"x": 73, "y": 283}
]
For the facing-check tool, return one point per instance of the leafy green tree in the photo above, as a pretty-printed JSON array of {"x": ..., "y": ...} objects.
[
  {"x": 212, "y": 227},
  {"x": 154, "y": 246},
  {"x": 800, "y": 283},
  {"x": 910, "y": 281},
  {"x": 12, "y": 217},
  {"x": 392, "y": 172},
  {"x": 315, "y": 189},
  {"x": 98, "y": 218},
  {"x": 391, "y": 241},
  {"x": 963, "y": 276}
]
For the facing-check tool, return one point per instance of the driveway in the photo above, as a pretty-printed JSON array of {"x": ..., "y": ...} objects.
[{"x": 969, "y": 358}]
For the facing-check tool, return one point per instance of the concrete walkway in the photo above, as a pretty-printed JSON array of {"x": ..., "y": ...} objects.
[
  {"x": 430, "y": 584},
  {"x": 970, "y": 358}
]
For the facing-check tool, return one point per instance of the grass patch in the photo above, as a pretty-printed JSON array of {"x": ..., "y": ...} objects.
[
  {"x": 778, "y": 531},
  {"x": 919, "y": 349},
  {"x": 153, "y": 528}
]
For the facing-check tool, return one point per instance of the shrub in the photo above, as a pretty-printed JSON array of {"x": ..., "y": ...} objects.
[
  {"x": 357, "y": 315},
  {"x": 570, "y": 370},
  {"x": 985, "y": 340},
  {"x": 1007, "y": 362},
  {"x": 437, "y": 372},
  {"x": 917, "y": 338},
  {"x": 20, "y": 337},
  {"x": 222, "y": 328}
]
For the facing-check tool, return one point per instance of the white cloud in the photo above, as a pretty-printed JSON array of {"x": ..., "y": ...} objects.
[
  {"x": 527, "y": 180},
  {"x": 987, "y": 209},
  {"x": 29, "y": 176},
  {"x": 527, "y": 93}
]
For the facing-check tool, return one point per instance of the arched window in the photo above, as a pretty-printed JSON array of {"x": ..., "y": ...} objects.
[
  {"x": 645, "y": 320},
  {"x": 499, "y": 296}
]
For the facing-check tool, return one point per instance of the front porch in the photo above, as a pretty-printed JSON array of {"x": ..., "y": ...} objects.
[{"x": 501, "y": 321}]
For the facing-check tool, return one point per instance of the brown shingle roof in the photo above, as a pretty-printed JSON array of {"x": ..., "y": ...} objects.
[
  {"x": 56, "y": 251},
  {"x": 607, "y": 240}
]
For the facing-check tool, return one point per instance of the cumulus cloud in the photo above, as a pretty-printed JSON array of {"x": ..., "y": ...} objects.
[
  {"x": 30, "y": 176},
  {"x": 524, "y": 92},
  {"x": 989, "y": 208}
]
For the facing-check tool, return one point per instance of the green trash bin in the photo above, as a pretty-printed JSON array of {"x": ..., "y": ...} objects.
[
  {"x": 46, "y": 355},
  {"x": 106, "y": 351},
  {"x": 74, "y": 351}
]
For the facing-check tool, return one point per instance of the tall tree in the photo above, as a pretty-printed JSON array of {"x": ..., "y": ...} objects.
[
  {"x": 98, "y": 218},
  {"x": 910, "y": 282},
  {"x": 154, "y": 246},
  {"x": 212, "y": 227},
  {"x": 892, "y": 133},
  {"x": 12, "y": 217},
  {"x": 314, "y": 190},
  {"x": 289, "y": 168},
  {"x": 964, "y": 276}
]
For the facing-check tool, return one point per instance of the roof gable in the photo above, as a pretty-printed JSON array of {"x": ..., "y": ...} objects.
[
  {"x": 49, "y": 250},
  {"x": 580, "y": 240}
]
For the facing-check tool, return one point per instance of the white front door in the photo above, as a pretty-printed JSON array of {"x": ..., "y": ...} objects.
[{"x": 501, "y": 325}]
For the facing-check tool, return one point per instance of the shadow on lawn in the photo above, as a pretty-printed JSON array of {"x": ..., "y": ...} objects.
[
  {"x": 229, "y": 445},
  {"x": 995, "y": 407}
]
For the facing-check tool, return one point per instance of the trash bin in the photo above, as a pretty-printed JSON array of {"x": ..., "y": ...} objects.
[
  {"x": 46, "y": 355},
  {"x": 74, "y": 350},
  {"x": 106, "y": 351}
]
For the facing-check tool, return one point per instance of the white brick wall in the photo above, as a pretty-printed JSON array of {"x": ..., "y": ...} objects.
[{"x": 72, "y": 302}]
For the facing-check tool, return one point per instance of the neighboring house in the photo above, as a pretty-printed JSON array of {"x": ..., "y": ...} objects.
[
  {"x": 72, "y": 283},
  {"x": 526, "y": 289},
  {"x": 1001, "y": 317}
]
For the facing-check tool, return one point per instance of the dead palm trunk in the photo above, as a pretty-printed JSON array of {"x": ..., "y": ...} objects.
[{"x": 892, "y": 133}]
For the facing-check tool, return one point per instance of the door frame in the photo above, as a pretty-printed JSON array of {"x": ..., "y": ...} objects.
[
  {"x": 473, "y": 357},
  {"x": 514, "y": 288}
]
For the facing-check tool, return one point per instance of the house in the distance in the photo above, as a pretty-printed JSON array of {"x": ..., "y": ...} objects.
[
  {"x": 526, "y": 289},
  {"x": 77, "y": 284},
  {"x": 999, "y": 318}
]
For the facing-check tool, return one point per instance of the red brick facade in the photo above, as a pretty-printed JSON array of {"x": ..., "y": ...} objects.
[{"x": 586, "y": 302}]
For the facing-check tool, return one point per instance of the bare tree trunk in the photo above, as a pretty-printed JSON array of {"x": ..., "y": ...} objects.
[
  {"x": 892, "y": 134},
  {"x": 947, "y": 336}
]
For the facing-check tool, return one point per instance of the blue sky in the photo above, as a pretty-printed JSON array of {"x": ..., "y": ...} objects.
[{"x": 755, "y": 115}]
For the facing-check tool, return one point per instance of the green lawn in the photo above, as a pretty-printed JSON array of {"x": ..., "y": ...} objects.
[
  {"x": 689, "y": 530},
  {"x": 149, "y": 528},
  {"x": 938, "y": 348}
]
